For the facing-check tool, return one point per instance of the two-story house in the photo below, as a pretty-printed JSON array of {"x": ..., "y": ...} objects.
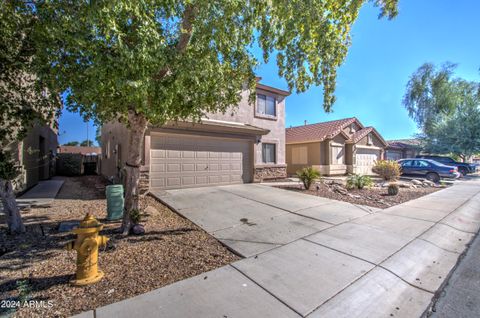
[{"x": 245, "y": 144}]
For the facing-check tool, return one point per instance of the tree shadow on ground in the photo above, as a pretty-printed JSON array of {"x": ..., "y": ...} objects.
[{"x": 34, "y": 284}]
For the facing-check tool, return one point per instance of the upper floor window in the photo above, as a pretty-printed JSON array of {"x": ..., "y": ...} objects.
[{"x": 266, "y": 105}]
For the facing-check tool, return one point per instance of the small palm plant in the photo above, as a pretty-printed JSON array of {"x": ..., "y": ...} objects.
[
  {"x": 357, "y": 181},
  {"x": 308, "y": 176}
]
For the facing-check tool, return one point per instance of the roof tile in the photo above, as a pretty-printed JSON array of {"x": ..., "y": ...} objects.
[{"x": 317, "y": 132}]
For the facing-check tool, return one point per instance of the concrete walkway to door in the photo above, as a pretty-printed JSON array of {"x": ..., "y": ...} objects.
[{"x": 307, "y": 256}]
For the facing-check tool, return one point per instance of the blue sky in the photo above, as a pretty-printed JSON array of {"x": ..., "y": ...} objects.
[{"x": 383, "y": 55}]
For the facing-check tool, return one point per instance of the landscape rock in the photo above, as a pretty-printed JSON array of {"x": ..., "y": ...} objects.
[
  {"x": 428, "y": 183},
  {"x": 416, "y": 182},
  {"x": 138, "y": 229},
  {"x": 340, "y": 189}
]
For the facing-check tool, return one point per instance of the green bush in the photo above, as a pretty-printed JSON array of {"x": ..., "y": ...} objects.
[
  {"x": 69, "y": 164},
  {"x": 357, "y": 181},
  {"x": 387, "y": 169},
  {"x": 308, "y": 176},
  {"x": 393, "y": 189},
  {"x": 135, "y": 216}
]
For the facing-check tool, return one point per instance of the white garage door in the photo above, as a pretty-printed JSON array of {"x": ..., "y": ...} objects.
[
  {"x": 180, "y": 161},
  {"x": 365, "y": 159}
]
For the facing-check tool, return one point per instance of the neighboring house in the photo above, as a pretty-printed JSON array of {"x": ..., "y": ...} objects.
[
  {"x": 80, "y": 150},
  {"x": 334, "y": 147},
  {"x": 245, "y": 144},
  {"x": 402, "y": 149},
  {"x": 36, "y": 155}
]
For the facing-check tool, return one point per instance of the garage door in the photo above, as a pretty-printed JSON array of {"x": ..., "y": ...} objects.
[
  {"x": 181, "y": 161},
  {"x": 365, "y": 159}
]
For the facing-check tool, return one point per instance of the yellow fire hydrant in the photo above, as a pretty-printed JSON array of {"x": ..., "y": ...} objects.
[{"x": 87, "y": 243}]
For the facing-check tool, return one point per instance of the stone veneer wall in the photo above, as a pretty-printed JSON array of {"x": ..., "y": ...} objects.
[
  {"x": 265, "y": 173},
  {"x": 144, "y": 182}
]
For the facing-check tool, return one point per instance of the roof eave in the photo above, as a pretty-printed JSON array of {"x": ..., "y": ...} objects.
[{"x": 272, "y": 89}]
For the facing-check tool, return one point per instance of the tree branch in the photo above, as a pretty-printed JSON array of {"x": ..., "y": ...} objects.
[
  {"x": 187, "y": 28},
  {"x": 184, "y": 38}
]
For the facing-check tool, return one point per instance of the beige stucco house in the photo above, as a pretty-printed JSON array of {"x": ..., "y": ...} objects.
[
  {"x": 35, "y": 154},
  {"x": 335, "y": 148},
  {"x": 245, "y": 144},
  {"x": 402, "y": 148}
]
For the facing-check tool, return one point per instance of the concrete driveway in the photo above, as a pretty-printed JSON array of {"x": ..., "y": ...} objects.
[
  {"x": 251, "y": 219},
  {"x": 312, "y": 257}
]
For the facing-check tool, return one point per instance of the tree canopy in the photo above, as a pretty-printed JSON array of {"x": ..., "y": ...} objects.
[
  {"x": 24, "y": 98},
  {"x": 71, "y": 143},
  {"x": 179, "y": 59},
  {"x": 153, "y": 61},
  {"x": 446, "y": 109},
  {"x": 86, "y": 143}
]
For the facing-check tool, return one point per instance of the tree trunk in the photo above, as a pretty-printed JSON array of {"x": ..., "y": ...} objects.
[
  {"x": 10, "y": 208},
  {"x": 136, "y": 132}
]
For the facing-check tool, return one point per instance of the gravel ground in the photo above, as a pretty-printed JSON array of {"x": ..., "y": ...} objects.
[
  {"x": 35, "y": 266},
  {"x": 375, "y": 196}
]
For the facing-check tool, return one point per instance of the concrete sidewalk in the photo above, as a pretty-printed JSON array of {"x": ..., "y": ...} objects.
[
  {"x": 41, "y": 194},
  {"x": 461, "y": 296},
  {"x": 313, "y": 257}
]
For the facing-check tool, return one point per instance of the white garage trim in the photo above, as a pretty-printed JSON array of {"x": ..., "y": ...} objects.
[
  {"x": 365, "y": 159},
  {"x": 183, "y": 161},
  {"x": 367, "y": 147}
]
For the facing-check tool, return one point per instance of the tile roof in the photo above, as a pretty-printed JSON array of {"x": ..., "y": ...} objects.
[
  {"x": 404, "y": 143},
  {"x": 317, "y": 132},
  {"x": 358, "y": 135},
  {"x": 326, "y": 130}
]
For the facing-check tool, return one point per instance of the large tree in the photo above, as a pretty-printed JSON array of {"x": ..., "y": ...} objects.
[
  {"x": 446, "y": 110},
  {"x": 86, "y": 143},
  {"x": 24, "y": 101},
  {"x": 152, "y": 61}
]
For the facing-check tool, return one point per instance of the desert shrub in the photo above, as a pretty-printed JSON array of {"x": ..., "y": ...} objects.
[
  {"x": 393, "y": 189},
  {"x": 387, "y": 169},
  {"x": 357, "y": 181},
  {"x": 135, "y": 216},
  {"x": 308, "y": 176}
]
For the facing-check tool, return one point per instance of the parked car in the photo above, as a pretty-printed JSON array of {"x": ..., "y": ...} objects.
[
  {"x": 430, "y": 169},
  {"x": 463, "y": 167}
]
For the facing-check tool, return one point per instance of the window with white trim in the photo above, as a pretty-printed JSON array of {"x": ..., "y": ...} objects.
[
  {"x": 269, "y": 153},
  {"x": 266, "y": 105}
]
